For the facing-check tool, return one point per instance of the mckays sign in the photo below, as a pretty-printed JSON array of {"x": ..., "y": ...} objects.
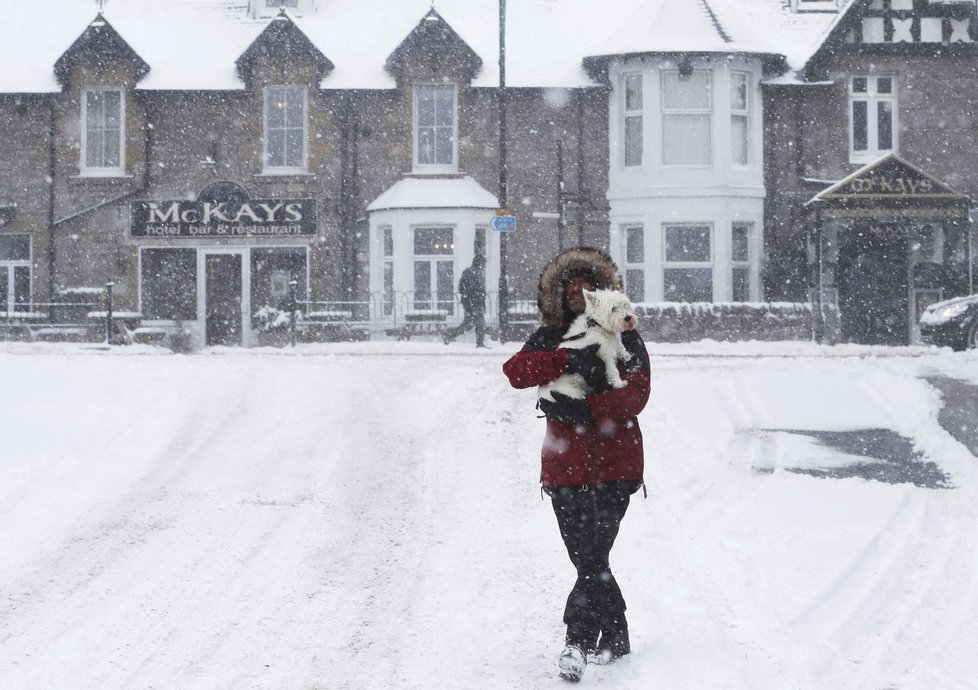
[{"x": 253, "y": 218}]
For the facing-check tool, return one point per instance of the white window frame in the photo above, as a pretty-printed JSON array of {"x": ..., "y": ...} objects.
[
  {"x": 433, "y": 260},
  {"x": 11, "y": 265},
  {"x": 270, "y": 8},
  {"x": 634, "y": 114},
  {"x": 631, "y": 264},
  {"x": 438, "y": 167},
  {"x": 267, "y": 167},
  {"x": 873, "y": 100},
  {"x": 741, "y": 114},
  {"x": 667, "y": 112},
  {"x": 815, "y": 5},
  {"x": 667, "y": 264},
  {"x": 102, "y": 170},
  {"x": 742, "y": 264}
]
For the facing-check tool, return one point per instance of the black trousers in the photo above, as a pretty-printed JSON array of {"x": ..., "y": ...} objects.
[
  {"x": 588, "y": 520},
  {"x": 472, "y": 319}
]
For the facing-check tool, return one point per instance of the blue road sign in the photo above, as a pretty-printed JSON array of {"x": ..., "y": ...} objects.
[{"x": 503, "y": 223}]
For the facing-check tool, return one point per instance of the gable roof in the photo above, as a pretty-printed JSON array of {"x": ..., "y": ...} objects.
[
  {"x": 194, "y": 44},
  {"x": 101, "y": 42},
  {"x": 891, "y": 178},
  {"x": 281, "y": 40},
  {"x": 430, "y": 36}
]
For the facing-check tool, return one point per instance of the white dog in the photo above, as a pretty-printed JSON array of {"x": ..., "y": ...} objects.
[{"x": 607, "y": 314}]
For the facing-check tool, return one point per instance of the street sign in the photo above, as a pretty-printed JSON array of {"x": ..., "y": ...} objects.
[{"x": 503, "y": 223}]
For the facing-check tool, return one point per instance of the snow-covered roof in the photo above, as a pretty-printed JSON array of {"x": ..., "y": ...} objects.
[
  {"x": 434, "y": 192},
  {"x": 193, "y": 44}
]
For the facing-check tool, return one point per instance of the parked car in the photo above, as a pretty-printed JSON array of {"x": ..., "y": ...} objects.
[{"x": 952, "y": 323}]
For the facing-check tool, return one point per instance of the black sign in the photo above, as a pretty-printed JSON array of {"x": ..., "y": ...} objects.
[{"x": 235, "y": 215}]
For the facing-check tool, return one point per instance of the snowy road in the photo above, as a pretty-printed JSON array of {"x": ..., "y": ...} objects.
[{"x": 368, "y": 516}]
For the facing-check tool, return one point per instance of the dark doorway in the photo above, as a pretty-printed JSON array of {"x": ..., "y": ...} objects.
[
  {"x": 873, "y": 285},
  {"x": 223, "y": 290}
]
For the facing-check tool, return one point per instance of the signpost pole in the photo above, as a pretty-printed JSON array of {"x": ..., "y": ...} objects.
[{"x": 503, "y": 302}]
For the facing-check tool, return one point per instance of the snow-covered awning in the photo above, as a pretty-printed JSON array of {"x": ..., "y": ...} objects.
[{"x": 434, "y": 192}]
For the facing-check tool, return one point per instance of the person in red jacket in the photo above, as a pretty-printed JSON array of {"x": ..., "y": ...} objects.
[{"x": 592, "y": 459}]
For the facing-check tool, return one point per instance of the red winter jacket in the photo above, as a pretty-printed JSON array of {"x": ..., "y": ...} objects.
[{"x": 610, "y": 447}]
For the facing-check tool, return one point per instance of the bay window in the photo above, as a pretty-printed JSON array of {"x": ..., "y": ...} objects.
[{"x": 686, "y": 117}]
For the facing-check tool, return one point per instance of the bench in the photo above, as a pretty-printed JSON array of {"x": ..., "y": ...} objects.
[{"x": 425, "y": 322}]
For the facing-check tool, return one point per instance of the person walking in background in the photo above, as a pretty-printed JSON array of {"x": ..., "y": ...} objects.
[
  {"x": 472, "y": 289},
  {"x": 592, "y": 459}
]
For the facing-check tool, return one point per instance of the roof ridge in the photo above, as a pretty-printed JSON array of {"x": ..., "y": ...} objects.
[{"x": 716, "y": 22}]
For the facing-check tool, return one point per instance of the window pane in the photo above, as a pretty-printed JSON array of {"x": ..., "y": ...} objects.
[
  {"x": 4, "y": 287},
  {"x": 686, "y": 140},
  {"x": 740, "y": 242},
  {"x": 688, "y": 243},
  {"x": 426, "y": 107},
  {"x": 884, "y": 85},
  {"x": 884, "y": 125},
  {"x": 15, "y": 247},
  {"x": 388, "y": 241},
  {"x": 633, "y": 141},
  {"x": 635, "y": 245},
  {"x": 293, "y": 153},
  {"x": 860, "y": 134},
  {"x": 443, "y": 146},
  {"x": 738, "y": 91},
  {"x": 688, "y": 285},
  {"x": 635, "y": 284},
  {"x": 271, "y": 272},
  {"x": 738, "y": 140},
  {"x": 275, "y": 112},
  {"x": 741, "y": 285},
  {"x": 633, "y": 92},
  {"x": 388, "y": 287},
  {"x": 422, "y": 285},
  {"x": 691, "y": 93},
  {"x": 276, "y": 148},
  {"x": 443, "y": 105},
  {"x": 446, "y": 285},
  {"x": 22, "y": 287},
  {"x": 859, "y": 85},
  {"x": 169, "y": 284},
  {"x": 429, "y": 241}
]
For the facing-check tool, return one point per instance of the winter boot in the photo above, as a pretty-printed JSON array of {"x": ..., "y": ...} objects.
[
  {"x": 614, "y": 644},
  {"x": 571, "y": 663}
]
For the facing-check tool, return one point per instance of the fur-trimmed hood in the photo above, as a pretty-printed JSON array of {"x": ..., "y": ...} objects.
[{"x": 549, "y": 295}]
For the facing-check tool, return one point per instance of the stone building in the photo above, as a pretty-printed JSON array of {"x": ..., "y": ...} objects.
[{"x": 211, "y": 159}]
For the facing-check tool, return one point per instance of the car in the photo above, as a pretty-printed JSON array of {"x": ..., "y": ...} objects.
[{"x": 952, "y": 323}]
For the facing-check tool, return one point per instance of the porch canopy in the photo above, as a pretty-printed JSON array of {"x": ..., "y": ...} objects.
[{"x": 888, "y": 189}]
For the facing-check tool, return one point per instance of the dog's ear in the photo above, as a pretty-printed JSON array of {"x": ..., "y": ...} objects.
[{"x": 590, "y": 296}]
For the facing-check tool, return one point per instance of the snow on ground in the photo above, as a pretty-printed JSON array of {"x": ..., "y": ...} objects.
[{"x": 368, "y": 516}]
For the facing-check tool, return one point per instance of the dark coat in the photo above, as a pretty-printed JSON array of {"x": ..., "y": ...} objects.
[
  {"x": 609, "y": 448},
  {"x": 472, "y": 288}
]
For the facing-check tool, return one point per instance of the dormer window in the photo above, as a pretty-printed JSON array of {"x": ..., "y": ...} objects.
[
  {"x": 269, "y": 8},
  {"x": 434, "y": 130},
  {"x": 102, "y": 145},
  {"x": 285, "y": 129},
  {"x": 815, "y": 5}
]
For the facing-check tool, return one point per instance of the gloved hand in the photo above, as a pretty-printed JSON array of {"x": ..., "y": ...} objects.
[
  {"x": 566, "y": 409},
  {"x": 586, "y": 363}
]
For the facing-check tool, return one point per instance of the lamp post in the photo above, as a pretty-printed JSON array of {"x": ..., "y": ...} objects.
[{"x": 501, "y": 95}]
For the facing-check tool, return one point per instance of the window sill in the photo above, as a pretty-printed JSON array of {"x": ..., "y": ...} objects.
[
  {"x": 287, "y": 177},
  {"x": 106, "y": 179}
]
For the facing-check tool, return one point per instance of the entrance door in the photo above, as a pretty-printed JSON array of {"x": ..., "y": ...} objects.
[
  {"x": 874, "y": 304},
  {"x": 223, "y": 290}
]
